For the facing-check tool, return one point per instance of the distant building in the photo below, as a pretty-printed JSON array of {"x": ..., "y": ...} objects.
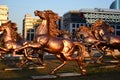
[
  {"x": 74, "y": 19},
  {"x": 115, "y": 5},
  {"x": 3, "y": 14},
  {"x": 29, "y": 23}
]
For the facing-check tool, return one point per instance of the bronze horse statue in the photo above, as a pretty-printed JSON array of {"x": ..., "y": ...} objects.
[
  {"x": 91, "y": 38},
  {"x": 84, "y": 34},
  {"x": 99, "y": 28},
  {"x": 47, "y": 40},
  {"x": 10, "y": 40},
  {"x": 113, "y": 42}
]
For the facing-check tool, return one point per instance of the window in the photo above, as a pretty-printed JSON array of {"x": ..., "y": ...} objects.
[
  {"x": 30, "y": 34},
  {"x": 32, "y": 30},
  {"x": 77, "y": 25},
  {"x": 118, "y": 33},
  {"x": 118, "y": 27},
  {"x": 73, "y": 25},
  {"x": 73, "y": 30}
]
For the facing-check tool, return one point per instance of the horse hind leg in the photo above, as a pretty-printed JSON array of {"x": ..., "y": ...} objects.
[
  {"x": 81, "y": 63},
  {"x": 113, "y": 55},
  {"x": 80, "y": 58},
  {"x": 58, "y": 67},
  {"x": 61, "y": 58},
  {"x": 81, "y": 66}
]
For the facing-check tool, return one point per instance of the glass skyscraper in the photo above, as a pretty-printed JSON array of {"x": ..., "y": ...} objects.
[{"x": 115, "y": 5}]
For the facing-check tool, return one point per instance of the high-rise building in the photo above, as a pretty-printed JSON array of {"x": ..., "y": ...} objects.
[
  {"x": 3, "y": 14},
  {"x": 29, "y": 23},
  {"x": 115, "y": 4}
]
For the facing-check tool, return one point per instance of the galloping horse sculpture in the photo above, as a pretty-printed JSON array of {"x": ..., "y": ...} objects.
[
  {"x": 46, "y": 40},
  {"x": 113, "y": 42},
  {"x": 85, "y": 35},
  {"x": 11, "y": 40},
  {"x": 94, "y": 37},
  {"x": 99, "y": 28}
]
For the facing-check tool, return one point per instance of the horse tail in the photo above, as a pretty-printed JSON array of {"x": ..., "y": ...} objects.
[
  {"x": 80, "y": 48},
  {"x": 81, "y": 55}
]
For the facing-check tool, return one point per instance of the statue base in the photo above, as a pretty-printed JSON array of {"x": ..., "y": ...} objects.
[
  {"x": 40, "y": 67},
  {"x": 110, "y": 66},
  {"x": 68, "y": 74},
  {"x": 46, "y": 77},
  {"x": 11, "y": 69},
  {"x": 16, "y": 68}
]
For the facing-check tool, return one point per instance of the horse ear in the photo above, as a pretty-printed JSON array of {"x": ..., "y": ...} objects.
[{"x": 9, "y": 21}]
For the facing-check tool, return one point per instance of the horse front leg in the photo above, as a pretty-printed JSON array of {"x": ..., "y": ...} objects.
[
  {"x": 29, "y": 55},
  {"x": 113, "y": 54},
  {"x": 4, "y": 49},
  {"x": 1, "y": 57},
  {"x": 22, "y": 64},
  {"x": 29, "y": 45}
]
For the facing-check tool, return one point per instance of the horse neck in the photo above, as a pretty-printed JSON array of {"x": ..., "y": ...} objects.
[
  {"x": 42, "y": 29},
  {"x": 84, "y": 34},
  {"x": 7, "y": 35},
  {"x": 66, "y": 36}
]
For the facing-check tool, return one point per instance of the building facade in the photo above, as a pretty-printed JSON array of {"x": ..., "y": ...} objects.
[
  {"x": 29, "y": 24},
  {"x": 75, "y": 19},
  {"x": 3, "y": 14}
]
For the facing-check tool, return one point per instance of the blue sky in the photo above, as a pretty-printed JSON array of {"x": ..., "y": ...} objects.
[{"x": 18, "y": 8}]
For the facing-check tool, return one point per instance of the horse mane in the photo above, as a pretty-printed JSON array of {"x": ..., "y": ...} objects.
[
  {"x": 100, "y": 24},
  {"x": 7, "y": 23},
  {"x": 53, "y": 27},
  {"x": 85, "y": 29},
  {"x": 14, "y": 34}
]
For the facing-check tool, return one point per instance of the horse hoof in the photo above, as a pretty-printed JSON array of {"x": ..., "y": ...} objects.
[
  {"x": 84, "y": 72},
  {"x": 18, "y": 65},
  {"x": 51, "y": 73},
  {"x": 98, "y": 62},
  {"x": 44, "y": 64}
]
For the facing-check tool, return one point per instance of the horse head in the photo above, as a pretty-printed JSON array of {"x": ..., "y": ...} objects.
[
  {"x": 9, "y": 29},
  {"x": 50, "y": 19},
  {"x": 46, "y": 14},
  {"x": 41, "y": 14},
  {"x": 5, "y": 25}
]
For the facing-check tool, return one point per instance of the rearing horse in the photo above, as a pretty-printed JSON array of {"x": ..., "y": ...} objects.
[
  {"x": 12, "y": 40},
  {"x": 103, "y": 32},
  {"x": 9, "y": 37},
  {"x": 45, "y": 39}
]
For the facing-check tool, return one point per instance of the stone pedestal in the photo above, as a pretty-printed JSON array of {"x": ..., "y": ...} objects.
[
  {"x": 40, "y": 67},
  {"x": 68, "y": 74},
  {"x": 45, "y": 77},
  {"x": 10, "y": 69}
]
